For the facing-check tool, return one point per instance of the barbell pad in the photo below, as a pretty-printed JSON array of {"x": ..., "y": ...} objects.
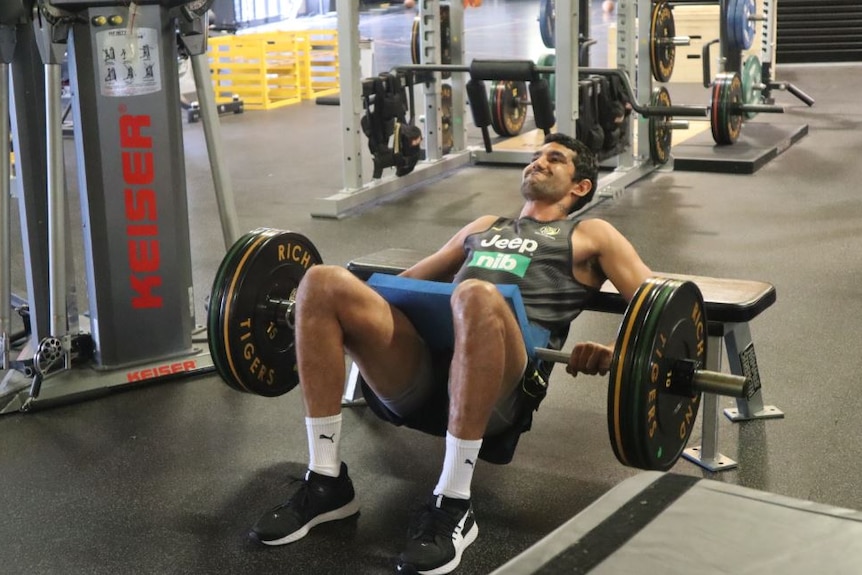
[
  {"x": 543, "y": 107},
  {"x": 523, "y": 70},
  {"x": 427, "y": 305},
  {"x": 478, "y": 97}
]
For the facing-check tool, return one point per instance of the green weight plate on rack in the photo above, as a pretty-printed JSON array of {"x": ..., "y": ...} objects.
[
  {"x": 752, "y": 80},
  {"x": 549, "y": 61}
]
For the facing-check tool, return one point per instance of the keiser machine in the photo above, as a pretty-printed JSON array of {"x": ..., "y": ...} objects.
[{"x": 139, "y": 324}]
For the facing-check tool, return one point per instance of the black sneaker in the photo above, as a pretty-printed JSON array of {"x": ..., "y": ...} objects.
[
  {"x": 319, "y": 499},
  {"x": 438, "y": 536}
]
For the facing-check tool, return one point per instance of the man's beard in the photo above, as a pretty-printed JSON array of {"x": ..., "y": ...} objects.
[{"x": 541, "y": 190}]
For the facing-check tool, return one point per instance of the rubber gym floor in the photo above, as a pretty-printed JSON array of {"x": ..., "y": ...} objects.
[{"x": 167, "y": 478}]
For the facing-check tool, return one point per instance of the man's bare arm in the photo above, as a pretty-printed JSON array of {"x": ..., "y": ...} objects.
[
  {"x": 443, "y": 264},
  {"x": 622, "y": 265}
]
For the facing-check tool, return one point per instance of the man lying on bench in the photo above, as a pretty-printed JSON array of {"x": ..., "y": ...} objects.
[{"x": 473, "y": 392}]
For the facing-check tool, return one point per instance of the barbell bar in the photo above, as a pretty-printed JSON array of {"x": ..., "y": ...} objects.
[
  {"x": 646, "y": 111},
  {"x": 685, "y": 378}
]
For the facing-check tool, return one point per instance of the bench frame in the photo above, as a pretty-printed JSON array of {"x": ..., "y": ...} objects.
[{"x": 726, "y": 333}]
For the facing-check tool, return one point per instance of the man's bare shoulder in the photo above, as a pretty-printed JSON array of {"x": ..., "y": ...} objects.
[{"x": 594, "y": 226}]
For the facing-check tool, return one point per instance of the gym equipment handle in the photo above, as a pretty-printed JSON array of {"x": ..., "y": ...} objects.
[{"x": 703, "y": 380}]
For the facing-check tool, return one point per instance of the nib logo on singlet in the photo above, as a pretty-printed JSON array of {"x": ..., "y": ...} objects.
[{"x": 514, "y": 263}]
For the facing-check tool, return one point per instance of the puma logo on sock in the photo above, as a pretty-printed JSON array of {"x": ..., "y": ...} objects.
[
  {"x": 468, "y": 462},
  {"x": 331, "y": 438}
]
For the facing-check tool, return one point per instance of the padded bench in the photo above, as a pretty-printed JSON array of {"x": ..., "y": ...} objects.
[
  {"x": 654, "y": 523},
  {"x": 730, "y": 305}
]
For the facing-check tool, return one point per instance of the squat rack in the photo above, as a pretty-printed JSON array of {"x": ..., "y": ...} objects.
[{"x": 632, "y": 47}]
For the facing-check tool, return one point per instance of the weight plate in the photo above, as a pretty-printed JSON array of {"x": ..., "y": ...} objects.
[
  {"x": 550, "y": 60},
  {"x": 638, "y": 400},
  {"x": 730, "y": 26},
  {"x": 662, "y": 49},
  {"x": 632, "y": 402},
  {"x": 725, "y": 121},
  {"x": 547, "y": 22},
  {"x": 741, "y": 28},
  {"x": 214, "y": 317},
  {"x": 261, "y": 356},
  {"x": 752, "y": 80},
  {"x": 446, "y": 117},
  {"x": 508, "y": 107},
  {"x": 446, "y": 100},
  {"x": 416, "y": 42},
  {"x": 679, "y": 333},
  {"x": 620, "y": 425},
  {"x": 218, "y": 302},
  {"x": 660, "y": 133}
]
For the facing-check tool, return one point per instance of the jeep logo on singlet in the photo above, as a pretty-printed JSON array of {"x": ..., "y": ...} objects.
[{"x": 514, "y": 263}]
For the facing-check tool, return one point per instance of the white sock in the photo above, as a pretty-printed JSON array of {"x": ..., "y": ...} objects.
[
  {"x": 324, "y": 438},
  {"x": 458, "y": 465}
]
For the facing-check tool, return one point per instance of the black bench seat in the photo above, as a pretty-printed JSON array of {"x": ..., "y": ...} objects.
[{"x": 727, "y": 300}]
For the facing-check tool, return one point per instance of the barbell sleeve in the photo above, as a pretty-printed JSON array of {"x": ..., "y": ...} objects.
[
  {"x": 701, "y": 380},
  {"x": 721, "y": 383},
  {"x": 553, "y": 355}
]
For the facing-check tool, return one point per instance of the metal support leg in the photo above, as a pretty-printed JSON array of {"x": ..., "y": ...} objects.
[
  {"x": 742, "y": 360},
  {"x": 56, "y": 200},
  {"x": 5, "y": 219},
  {"x": 706, "y": 454},
  {"x": 212, "y": 134},
  {"x": 352, "y": 391}
]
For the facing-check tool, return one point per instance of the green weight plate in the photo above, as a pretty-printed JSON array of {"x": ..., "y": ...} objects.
[
  {"x": 752, "y": 80},
  {"x": 660, "y": 133},
  {"x": 549, "y": 60},
  {"x": 674, "y": 328},
  {"x": 662, "y": 50},
  {"x": 637, "y": 400},
  {"x": 620, "y": 425},
  {"x": 547, "y": 22},
  {"x": 508, "y": 107},
  {"x": 631, "y": 398},
  {"x": 644, "y": 395},
  {"x": 261, "y": 357},
  {"x": 214, "y": 320}
]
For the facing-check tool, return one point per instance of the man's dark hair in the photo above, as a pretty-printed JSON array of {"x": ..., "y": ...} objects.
[{"x": 586, "y": 165}]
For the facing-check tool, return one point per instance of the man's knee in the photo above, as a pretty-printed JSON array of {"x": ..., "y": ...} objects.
[
  {"x": 476, "y": 300},
  {"x": 326, "y": 282}
]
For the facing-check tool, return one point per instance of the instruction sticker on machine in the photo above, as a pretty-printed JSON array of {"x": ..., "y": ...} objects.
[{"x": 129, "y": 62}]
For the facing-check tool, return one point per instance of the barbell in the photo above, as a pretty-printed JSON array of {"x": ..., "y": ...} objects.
[{"x": 655, "y": 377}]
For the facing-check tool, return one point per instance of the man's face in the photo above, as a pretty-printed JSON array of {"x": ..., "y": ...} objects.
[{"x": 549, "y": 176}]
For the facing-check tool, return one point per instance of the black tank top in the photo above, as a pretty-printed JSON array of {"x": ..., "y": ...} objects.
[{"x": 537, "y": 256}]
